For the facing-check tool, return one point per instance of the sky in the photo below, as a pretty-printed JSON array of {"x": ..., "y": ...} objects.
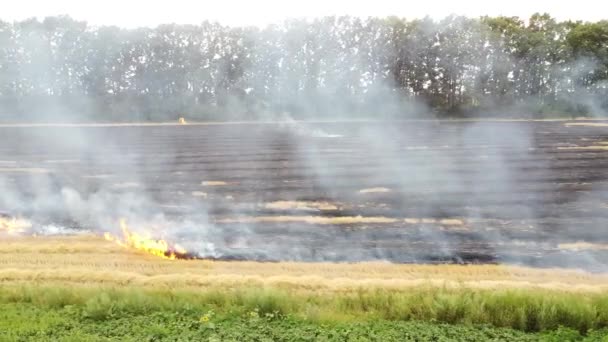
[{"x": 135, "y": 13}]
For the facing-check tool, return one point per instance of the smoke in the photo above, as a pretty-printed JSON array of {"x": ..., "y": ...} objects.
[
  {"x": 399, "y": 188},
  {"x": 404, "y": 191},
  {"x": 579, "y": 97}
]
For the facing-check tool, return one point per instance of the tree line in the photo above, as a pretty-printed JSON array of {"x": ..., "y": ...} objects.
[{"x": 323, "y": 68}]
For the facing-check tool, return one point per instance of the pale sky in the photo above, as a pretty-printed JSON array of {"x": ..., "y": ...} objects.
[{"x": 134, "y": 13}]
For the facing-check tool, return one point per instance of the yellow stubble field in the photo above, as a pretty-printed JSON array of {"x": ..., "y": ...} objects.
[{"x": 91, "y": 260}]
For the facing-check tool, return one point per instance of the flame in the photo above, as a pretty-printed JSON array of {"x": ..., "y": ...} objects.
[
  {"x": 13, "y": 225},
  {"x": 182, "y": 121},
  {"x": 146, "y": 244}
]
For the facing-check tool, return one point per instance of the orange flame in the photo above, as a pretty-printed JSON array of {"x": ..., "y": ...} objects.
[
  {"x": 158, "y": 248},
  {"x": 12, "y": 225}
]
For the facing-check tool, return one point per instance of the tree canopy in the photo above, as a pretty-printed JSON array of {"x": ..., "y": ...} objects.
[{"x": 322, "y": 68}]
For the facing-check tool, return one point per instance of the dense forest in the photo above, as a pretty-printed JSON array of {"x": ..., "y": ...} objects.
[{"x": 63, "y": 69}]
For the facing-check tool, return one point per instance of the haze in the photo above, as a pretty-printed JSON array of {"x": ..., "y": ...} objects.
[{"x": 261, "y": 13}]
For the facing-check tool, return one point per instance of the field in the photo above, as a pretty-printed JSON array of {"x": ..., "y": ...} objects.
[
  {"x": 88, "y": 260},
  {"x": 335, "y": 226},
  {"x": 84, "y": 288},
  {"x": 524, "y": 192}
]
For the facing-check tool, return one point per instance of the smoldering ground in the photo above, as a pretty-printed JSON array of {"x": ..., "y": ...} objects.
[
  {"x": 399, "y": 190},
  {"x": 411, "y": 191}
]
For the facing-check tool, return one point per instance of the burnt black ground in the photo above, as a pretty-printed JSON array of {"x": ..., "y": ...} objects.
[{"x": 521, "y": 188}]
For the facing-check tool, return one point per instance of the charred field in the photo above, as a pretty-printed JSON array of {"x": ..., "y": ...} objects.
[
  {"x": 405, "y": 230},
  {"x": 531, "y": 193}
]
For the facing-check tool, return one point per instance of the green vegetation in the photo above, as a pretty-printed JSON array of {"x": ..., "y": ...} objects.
[
  {"x": 31, "y": 323},
  {"x": 85, "y": 313}
]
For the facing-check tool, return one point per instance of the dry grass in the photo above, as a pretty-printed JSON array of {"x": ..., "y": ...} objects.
[
  {"x": 24, "y": 170},
  {"x": 224, "y": 123},
  {"x": 584, "y": 148},
  {"x": 587, "y": 124},
  {"x": 97, "y": 176},
  {"x": 583, "y": 246},
  {"x": 62, "y": 161},
  {"x": 374, "y": 190},
  {"x": 300, "y": 205},
  {"x": 126, "y": 185},
  {"x": 321, "y": 220},
  {"x": 338, "y": 220},
  {"x": 443, "y": 222},
  {"x": 91, "y": 260},
  {"x": 213, "y": 183}
]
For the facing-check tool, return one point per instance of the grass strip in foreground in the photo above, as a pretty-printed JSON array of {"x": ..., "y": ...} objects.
[
  {"x": 27, "y": 322},
  {"x": 102, "y": 313}
]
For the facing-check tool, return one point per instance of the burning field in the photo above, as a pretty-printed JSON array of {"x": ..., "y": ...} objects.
[
  {"x": 224, "y": 230},
  {"x": 530, "y": 193}
]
